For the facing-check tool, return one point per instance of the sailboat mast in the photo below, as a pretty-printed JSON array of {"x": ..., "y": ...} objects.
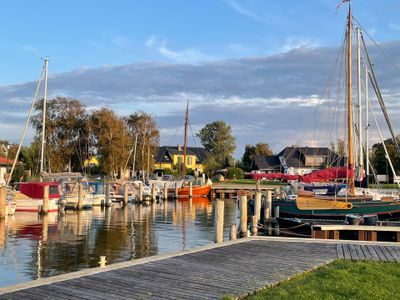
[
  {"x": 185, "y": 139},
  {"x": 349, "y": 105},
  {"x": 366, "y": 125},
  {"x": 360, "y": 132},
  {"x": 46, "y": 63}
]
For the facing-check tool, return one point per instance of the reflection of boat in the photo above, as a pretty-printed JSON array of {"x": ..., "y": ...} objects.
[{"x": 29, "y": 196}]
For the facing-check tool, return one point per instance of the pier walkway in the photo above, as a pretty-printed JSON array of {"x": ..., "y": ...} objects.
[{"x": 233, "y": 268}]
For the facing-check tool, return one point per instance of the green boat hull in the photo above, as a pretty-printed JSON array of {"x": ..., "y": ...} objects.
[{"x": 382, "y": 209}]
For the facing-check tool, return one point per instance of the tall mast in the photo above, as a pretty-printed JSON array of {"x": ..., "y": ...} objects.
[
  {"x": 349, "y": 105},
  {"x": 46, "y": 63},
  {"x": 185, "y": 139},
  {"x": 360, "y": 133},
  {"x": 366, "y": 126}
]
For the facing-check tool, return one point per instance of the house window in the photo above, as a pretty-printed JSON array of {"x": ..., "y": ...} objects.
[
  {"x": 180, "y": 159},
  {"x": 189, "y": 160}
]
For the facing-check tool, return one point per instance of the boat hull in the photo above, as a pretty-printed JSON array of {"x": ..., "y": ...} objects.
[
  {"x": 197, "y": 191},
  {"x": 382, "y": 209},
  {"x": 33, "y": 205}
]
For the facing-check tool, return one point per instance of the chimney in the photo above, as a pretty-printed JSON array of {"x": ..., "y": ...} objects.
[{"x": 179, "y": 148}]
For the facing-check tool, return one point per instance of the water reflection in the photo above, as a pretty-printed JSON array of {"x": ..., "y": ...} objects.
[{"x": 33, "y": 246}]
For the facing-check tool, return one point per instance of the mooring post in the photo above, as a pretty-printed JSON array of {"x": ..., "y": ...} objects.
[
  {"x": 232, "y": 232},
  {"x": 268, "y": 206},
  {"x": 45, "y": 207},
  {"x": 153, "y": 192},
  {"x": 219, "y": 220},
  {"x": 243, "y": 214},
  {"x": 80, "y": 196},
  {"x": 176, "y": 191},
  {"x": 102, "y": 261},
  {"x": 254, "y": 223},
  {"x": 140, "y": 192},
  {"x": 3, "y": 196},
  {"x": 190, "y": 189},
  {"x": 257, "y": 202},
  {"x": 212, "y": 194},
  {"x": 165, "y": 191},
  {"x": 126, "y": 189},
  {"x": 276, "y": 212},
  {"x": 108, "y": 188}
]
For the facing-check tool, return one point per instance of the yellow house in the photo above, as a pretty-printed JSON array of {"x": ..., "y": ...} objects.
[
  {"x": 170, "y": 157},
  {"x": 92, "y": 162}
]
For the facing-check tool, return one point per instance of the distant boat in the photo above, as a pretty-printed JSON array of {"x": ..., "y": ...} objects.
[{"x": 197, "y": 190}]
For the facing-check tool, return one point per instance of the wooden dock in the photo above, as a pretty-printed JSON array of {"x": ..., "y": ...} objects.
[{"x": 234, "y": 268}]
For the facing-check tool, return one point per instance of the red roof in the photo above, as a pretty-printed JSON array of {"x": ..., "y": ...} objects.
[{"x": 5, "y": 161}]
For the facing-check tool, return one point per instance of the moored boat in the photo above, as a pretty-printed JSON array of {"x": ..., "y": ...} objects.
[{"x": 29, "y": 196}]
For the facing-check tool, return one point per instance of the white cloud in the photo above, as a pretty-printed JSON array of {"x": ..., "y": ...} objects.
[
  {"x": 245, "y": 11},
  {"x": 188, "y": 55},
  {"x": 299, "y": 42}
]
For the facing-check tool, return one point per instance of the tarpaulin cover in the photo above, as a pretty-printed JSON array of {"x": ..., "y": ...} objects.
[
  {"x": 316, "y": 176},
  {"x": 35, "y": 189}
]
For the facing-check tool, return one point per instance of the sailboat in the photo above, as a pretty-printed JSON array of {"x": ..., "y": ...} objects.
[
  {"x": 353, "y": 201},
  {"x": 29, "y": 195},
  {"x": 197, "y": 190}
]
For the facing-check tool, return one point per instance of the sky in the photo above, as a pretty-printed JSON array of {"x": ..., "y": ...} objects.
[{"x": 258, "y": 65}]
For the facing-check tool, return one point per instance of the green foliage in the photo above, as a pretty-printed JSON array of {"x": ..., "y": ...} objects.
[
  {"x": 339, "y": 280},
  {"x": 250, "y": 151},
  {"x": 235, "y": 173},
  {"x": 219, "y": 143},
  {"x": 211, "y": 166},
  {"x": 378, "y": 157},
  {"x": 168, "y": 172}
]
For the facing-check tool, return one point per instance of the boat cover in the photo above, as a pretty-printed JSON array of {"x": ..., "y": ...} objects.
[
  {"x": 316, "y": 176},
  {"x": 35, "y": 189}
]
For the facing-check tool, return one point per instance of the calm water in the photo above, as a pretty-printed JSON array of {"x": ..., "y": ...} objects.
[{"x": 33, "y": 247}]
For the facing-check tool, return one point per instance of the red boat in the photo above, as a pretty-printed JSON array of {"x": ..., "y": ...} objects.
[{"x": 29, "y": 196}]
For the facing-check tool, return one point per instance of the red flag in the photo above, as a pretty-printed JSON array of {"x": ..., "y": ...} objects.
[{"x": 343, "y": 1}]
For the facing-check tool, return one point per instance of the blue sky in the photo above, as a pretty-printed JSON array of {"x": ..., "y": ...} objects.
[
  {"x": 78, "y": 34},
  {"x": 258, "y": 65}
]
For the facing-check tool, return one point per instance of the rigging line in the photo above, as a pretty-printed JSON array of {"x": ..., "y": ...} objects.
[
  {"x": 26, "y": 126},
  {"x": 375, "y": 86},
  {"x": 377, "y": 46},
  {"x": 341, "y": 49}
]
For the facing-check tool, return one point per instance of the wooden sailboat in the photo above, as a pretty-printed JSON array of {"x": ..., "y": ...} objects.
[
  {"x": 197, "y": 190},
  {"x": 338, "y": 206}
]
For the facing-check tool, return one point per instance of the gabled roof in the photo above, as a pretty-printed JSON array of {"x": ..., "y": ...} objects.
[
  {"x": 165, "y": 153},
  {"x": 5, "y": 161},
  {"x": 262, "y": 162},
  {"x": 295, "y": 156}
]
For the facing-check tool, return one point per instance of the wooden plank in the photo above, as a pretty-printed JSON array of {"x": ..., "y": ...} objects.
[
  {"x": 339, "y": 251},
  {"x": 346, "y": 251}
]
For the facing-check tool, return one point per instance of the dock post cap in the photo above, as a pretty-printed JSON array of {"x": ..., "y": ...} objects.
[{"x": 102, "y": 261}]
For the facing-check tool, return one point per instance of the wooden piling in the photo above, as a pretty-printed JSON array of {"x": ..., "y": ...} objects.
[
  {"x": 243, "y": 214},
  {"x": 102, "y": 261},
  {"x": 219, "y": 220},
  {"x": 257, "y": 202},
  {"x": 276, "y": 212},
  {"x": 140, "y": 192},
  {"x": 3, "y": 195},
  {"x": 190, "y": 189},
  {"x": 268, "y": 206},
  {"x": 126, "y": 189},
  {"x": 45, "y": 207},
  {"x": 153, "y": 192},
  {"x": 165, "y": 191},
  {"x": 232, "y": 232},
  {"x": 212, "y": 194},
  {"x": 108, "y": 188},
  {"x": 80, "y": 196},
  {"x": 176, "y": 191},
  {"x": 254, "y": 223}
]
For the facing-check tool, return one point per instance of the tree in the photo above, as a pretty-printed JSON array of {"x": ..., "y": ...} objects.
[
  {"x": 218, "y": 141},
  {"x": 250, "y": 151},
  {"x": 378, "y": 157},
  {"x": 111, "y": 137},
  {"x": 144, "y": 127},
  {"x": 235, "y": 173}
]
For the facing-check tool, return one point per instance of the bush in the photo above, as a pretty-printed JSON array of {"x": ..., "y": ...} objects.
[{"x": 235, "y": 173}]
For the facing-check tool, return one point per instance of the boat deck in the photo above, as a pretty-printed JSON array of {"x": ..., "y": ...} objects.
[{"x": 232, "y": 268}]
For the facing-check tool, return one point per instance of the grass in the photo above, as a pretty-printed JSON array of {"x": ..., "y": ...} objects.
[
  {"x": 385, "y": 186},
  {"x": 339, "y": 280}
]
